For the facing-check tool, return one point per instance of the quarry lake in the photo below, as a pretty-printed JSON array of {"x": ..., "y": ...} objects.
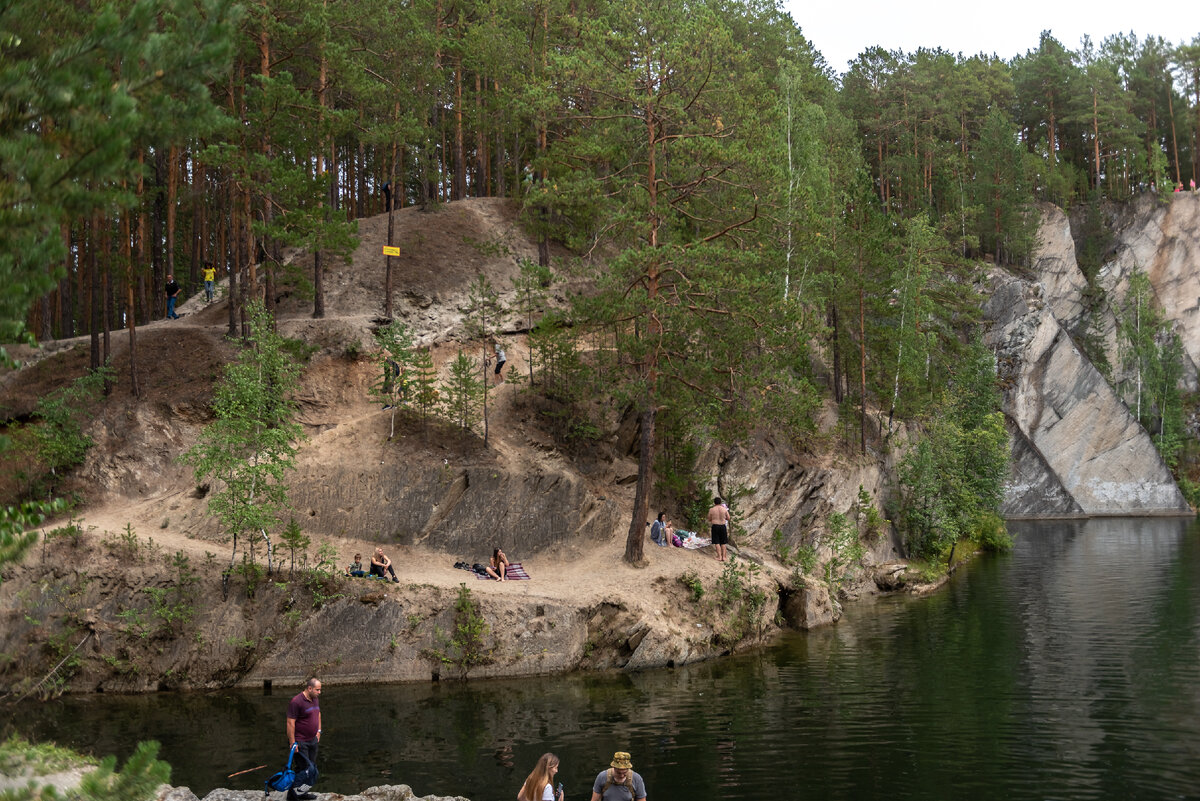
[{"x": 1067, "y": 669}]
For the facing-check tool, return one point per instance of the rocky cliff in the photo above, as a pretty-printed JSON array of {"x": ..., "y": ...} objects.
[{"x": 1077, "y": 448}]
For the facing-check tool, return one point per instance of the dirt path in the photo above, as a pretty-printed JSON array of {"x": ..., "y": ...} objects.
[{"x": 581, "y": 573}]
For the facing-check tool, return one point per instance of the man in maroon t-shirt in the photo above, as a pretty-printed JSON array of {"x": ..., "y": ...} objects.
[{"x": 304, "y": 731}]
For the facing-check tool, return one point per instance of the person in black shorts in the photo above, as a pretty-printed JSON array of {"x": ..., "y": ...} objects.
[{"x": 718, "y": 517}]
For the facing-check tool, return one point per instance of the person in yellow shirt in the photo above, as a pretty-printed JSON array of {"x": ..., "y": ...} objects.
[{"x": 210, "y": 276}]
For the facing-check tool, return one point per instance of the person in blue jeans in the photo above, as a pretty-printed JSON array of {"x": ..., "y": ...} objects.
[{"x": 172, "y": 291}]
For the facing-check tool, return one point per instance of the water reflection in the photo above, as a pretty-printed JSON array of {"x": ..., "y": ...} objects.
[{"x": 1067, "y": 669}]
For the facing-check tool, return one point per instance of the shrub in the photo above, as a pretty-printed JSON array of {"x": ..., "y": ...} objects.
[
  {"x": 465, "y": 648},
  {"x": 692, "y": 582},
  {"x": 991, "y": 532}
]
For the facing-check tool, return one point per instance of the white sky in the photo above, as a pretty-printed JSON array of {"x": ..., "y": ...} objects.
[{"x": 842, "y": 30}]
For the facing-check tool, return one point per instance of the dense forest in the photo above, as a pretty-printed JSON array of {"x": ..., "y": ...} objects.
[{"x": 735, "y": 198}]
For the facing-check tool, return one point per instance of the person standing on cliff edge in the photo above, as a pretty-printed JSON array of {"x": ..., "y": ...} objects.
[
  {"x": 304, "y": 732},
  {"x": 718, "y": 518}
]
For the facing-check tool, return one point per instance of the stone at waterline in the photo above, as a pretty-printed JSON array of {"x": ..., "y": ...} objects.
[{"x": 390, "y": 792}]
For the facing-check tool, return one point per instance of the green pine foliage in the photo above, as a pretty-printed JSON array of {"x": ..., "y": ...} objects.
[
  {"x": 395, "y": 362},
  {"x": 561, "y": 372},
  {"x": 462, "y": 393},
  {"x": 82, "y": 86},
  {"x": 15, "y": 523},
  {"x": 484, "y": 312},
  {"x": 296, "y": 541},
  {"x": 423, "y": 385},
  {"x": 138, "y": 780},
  {"x": 532, "y": 287}
]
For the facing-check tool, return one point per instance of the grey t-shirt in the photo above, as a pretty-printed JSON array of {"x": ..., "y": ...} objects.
[{"x": 619, "y": 792}]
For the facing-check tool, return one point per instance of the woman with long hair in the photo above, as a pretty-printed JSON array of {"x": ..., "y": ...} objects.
[
  {"x": 497, "y": 566},
  {"x": 540, "y": 784}
]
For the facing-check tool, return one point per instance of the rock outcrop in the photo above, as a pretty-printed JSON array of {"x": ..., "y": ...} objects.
[
  {"x": 1160, "y": 239},
  {"x": 1057, "y": 269},
  {"x": 390, "y": 792},
  {"x": 1098, "y": 459}
]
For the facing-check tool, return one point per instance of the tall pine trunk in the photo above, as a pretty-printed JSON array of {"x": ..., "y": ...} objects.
[
  {"x": 94, "y": 299},
  {"x": 458, "y": 190},
  {"x": 318, "y": 267},
  {"x": 130, "y": 317}
]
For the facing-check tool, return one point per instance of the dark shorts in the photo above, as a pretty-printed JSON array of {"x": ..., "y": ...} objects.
[
  {"x": 720, "y": 534},
  {"x": 500, "y": 365}
]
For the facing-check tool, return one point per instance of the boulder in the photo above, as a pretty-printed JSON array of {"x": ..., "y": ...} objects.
[
  {"x": 811, "y": 606},
  {"x": 391, "y": 792}
]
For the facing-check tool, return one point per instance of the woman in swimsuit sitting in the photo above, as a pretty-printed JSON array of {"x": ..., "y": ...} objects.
[{"x": 497, "y": 566}]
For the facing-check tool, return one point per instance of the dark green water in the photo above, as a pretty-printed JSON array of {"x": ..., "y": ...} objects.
[{"x": 1069, "y": 669}]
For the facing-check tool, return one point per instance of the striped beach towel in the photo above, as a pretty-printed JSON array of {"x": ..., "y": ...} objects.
[{"x": 514, "y": 573}]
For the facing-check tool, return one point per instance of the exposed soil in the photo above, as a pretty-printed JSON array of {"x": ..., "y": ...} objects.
[{"x": 133, "y": 479}]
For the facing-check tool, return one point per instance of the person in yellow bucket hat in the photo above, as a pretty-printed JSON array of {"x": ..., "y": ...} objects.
[{"x": 619, "y": 782}]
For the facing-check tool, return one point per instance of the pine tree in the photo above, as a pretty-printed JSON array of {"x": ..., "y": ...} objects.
[
  {"x": 532, "y": 286},
  {"x": 1001, "y": 192},
  {"x": 484, "y": 311},
  {"x": 462, "y": 392},
  {"x": 423, "y": 385},
  {"x": 79, "y": 89},
  {"x": 395, "y": 361},
  {"x": 680, "y": 151}
]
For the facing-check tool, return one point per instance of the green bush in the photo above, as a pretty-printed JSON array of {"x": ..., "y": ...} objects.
[
  {"x": 466, "y": 648},
  {"x": 139, "y": 780},
  {"x": 692, "y": 582},
  {"x": 991, "y": 533}
]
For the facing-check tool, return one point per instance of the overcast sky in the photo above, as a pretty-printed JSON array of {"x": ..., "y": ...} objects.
[{"x": 842, "y": 30}]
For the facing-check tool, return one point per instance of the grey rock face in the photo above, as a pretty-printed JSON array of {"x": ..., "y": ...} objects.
[
  {"x": 1034, "y": 489},
  {"x": 460, "y": 508},
  {"x": 1094, "y": 449},
  {"x": 1057, "y": 269},
  {"x": 1160, "y": 240}
]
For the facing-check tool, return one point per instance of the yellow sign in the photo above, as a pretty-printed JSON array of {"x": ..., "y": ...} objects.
[{"x": 390, "y": 251}]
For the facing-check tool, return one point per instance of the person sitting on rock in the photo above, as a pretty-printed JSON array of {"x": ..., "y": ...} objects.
[
  {"x": 497, "y": 566},
  {"x": 381, "y": 566},
  {"x": 356, "y": 567}
]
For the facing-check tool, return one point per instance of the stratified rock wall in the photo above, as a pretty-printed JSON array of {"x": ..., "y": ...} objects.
[
  {"x": 1162, "y": 240},
  {"x": 1058, "y": 270},
  {"x": 774, "y": 488},
  {"x": 1095, "y": 449},
  {"x": 1034, "y": 489}
]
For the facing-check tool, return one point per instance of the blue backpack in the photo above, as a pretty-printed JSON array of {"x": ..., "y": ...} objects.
[{"x": 284, "y": 779}]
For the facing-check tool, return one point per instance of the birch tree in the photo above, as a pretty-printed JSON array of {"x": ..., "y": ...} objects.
[{"x": 250, "y": 446}]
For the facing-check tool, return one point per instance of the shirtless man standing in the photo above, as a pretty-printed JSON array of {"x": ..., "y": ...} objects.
[{"x": 718, "y": 517}]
